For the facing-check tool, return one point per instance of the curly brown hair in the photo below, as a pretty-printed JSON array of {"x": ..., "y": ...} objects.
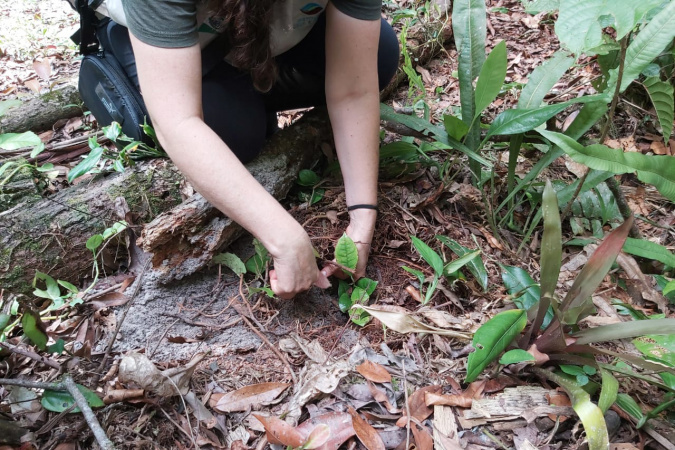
[{"x": 248, "y": 25}]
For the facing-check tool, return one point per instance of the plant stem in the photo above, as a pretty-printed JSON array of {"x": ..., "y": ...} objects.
[
  {"x": 88, "y": 414},
  {"x": 32, "y": 355}
]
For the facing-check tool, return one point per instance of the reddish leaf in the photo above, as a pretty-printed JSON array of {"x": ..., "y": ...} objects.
[
  {"x": 318, "y": 437},
  {"x": 423, "y": 438},
  {"x": 109, "y": 300},
  {"x": 280, "y": 432},
  {"x": 381, "y": 397},
  {"x": 464, "y": 400},
  {"x": 417, "y": 407},
  {"x": 340, "y": 425},
  {"x": 366, "y": 433},
  {"x": 374, "y": 372},
  {"x": 33, "y": 85},
  {"x": 242, "y": 399}
]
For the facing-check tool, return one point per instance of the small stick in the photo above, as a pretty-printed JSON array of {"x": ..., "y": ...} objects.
[
  {"x": 407, "y": 407},
  {"x": 88, "y": 414},
  {"x": 32, "y": 355},
  {"x": 32, "y": 384},
  {"x": 106, "y": 356}
]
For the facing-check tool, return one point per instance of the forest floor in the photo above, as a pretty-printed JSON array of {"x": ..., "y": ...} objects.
[{"x": 261, "y": 357}]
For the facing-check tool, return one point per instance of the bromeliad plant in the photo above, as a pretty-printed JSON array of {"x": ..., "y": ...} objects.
[{"x": 563, "y": 343}]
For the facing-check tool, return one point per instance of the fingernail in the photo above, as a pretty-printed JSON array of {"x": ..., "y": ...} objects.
[{"x": 323, "y": 272}]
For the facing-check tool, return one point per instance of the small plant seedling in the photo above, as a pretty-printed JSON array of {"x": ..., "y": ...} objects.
[
  {"x": 101, "y": 240},
  {"x": 352, "y": 292},
  {"x": 309, "y": 179}
]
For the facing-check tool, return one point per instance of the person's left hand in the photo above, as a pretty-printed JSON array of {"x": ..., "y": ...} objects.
[{"x": 360, "y": 230}]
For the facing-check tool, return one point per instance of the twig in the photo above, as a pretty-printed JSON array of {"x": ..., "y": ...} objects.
[
  {"x": 88, "y": 414},
  {"x": 337, "y": 341},
  {"x": 161, "y": 338},
  {"x": 106, "y": 356},
  {"x": 266, "y": 341},
  {"x": 407, "y": 407},
  {"x": 203, "y": 324},
  {"x": 32, "y": 355},
  {"x": 32, "y": 384}
]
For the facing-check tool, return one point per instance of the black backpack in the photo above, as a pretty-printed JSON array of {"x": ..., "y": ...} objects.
[{"x": 105, "y": 86}]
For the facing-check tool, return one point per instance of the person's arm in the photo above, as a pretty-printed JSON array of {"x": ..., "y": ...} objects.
[
  {"x": 170, "y": 79},
  {"x": 353, "y": 100}
]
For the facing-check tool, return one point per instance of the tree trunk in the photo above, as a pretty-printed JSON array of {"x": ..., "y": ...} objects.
[
  {"x": 49, "y": 234},
  {"x": 40, "y": 113}
]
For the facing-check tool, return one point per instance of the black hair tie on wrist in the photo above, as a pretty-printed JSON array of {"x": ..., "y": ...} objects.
[{"x": 362, "y": 206}]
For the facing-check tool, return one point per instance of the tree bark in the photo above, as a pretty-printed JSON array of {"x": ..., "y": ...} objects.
[
  {"x": 49, "y": 234},
  {"x": 40, "y": 113}
]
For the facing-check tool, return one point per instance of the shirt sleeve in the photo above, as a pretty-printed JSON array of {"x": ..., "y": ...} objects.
[
  {"x": 163, "y": 23},
  {"x": 360, "y": 9}
]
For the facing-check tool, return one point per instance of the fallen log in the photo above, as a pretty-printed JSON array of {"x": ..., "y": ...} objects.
[
  {"x": 40, "y": 113},
  {"x": 49, "y": 234}
]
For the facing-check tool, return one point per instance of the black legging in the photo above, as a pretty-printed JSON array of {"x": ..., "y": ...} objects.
[{"x": 242, "y": 116}]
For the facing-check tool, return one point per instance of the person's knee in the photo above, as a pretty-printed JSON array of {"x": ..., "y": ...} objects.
[{"x": 388, "y": 54}]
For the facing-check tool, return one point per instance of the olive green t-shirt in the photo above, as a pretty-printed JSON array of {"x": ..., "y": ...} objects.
[{"x": 183, "y": 23}]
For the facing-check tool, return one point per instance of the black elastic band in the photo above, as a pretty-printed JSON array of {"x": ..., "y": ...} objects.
[{"x": 362, "y": 206}]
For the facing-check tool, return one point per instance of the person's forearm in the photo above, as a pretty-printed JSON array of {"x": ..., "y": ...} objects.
[{"x": 223, "y": 180}]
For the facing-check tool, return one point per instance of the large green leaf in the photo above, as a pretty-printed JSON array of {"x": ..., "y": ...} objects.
[
  {"x": 491, "y": 78},
  {"x": 657, "y": 170},
  {"x": 475, "y": 266},
  {"x": 591, "y": 416},
  {"x": 12, "y": 141},
  {"x": 346, "y": 252},
  {"x": 646, "y": 46},
  {"x": 516, "y": 356},
  {"x": 58, "y": 401},
  {"x": 543, "y": 78},
  {"x": 33, "y": 328},
  {"x": 231, "y": 261},
  {"x": 649, "y": 250},
  {"x": 661, "y": 93},
  {"x": 469, "y": 26},
  {"x": 551, "y": 242},
  {"x": 577, "y": 302},
  {"x": 492, "y": 338},
  {"x": 429, "y": 255}
]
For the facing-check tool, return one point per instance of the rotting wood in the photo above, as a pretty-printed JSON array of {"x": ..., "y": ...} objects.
[
  {"x": 445, "y": 428},
  {"x": 40, "y": 113}
]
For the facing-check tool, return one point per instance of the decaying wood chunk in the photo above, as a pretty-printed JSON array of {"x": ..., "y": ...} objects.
[{"x": 40, "y": 113}]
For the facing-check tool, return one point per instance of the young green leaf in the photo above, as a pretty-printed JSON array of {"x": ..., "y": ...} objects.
[
  {"x": 454, "y": 266},
  {"x": 626, "y": 403},
  {"x": 308, "y": 178},
  {"x": 58, "y": 401},
  {"x": 346, "y": 253},
  {"x": 37, "y": 150},
  {"x": 492, "y": 338},
  {"x": 33, "y": 328},
  {"x": 429, "y": 255},
  {"x": 609, "y": 391},
  {"x": 367, "y": 284},
  {"x": 591, "y": 416},
  {"x": 515, "y": 356},
  {"x": 231, "y": 261},
  {"x": 475, "y": 266},
  {"x": 491, "y": 78},
  {"x": 669, "y": 288},
  {"x": 94, "y": 242},
  {"x": 469, "y": 26},
  {"x": 455, "y": 127},
  {"x": 661, "y": 93},
  {"x": 543, "y": 78},
  {"x": 13, "y": 141},
  {"x": 86, "y": 165}
]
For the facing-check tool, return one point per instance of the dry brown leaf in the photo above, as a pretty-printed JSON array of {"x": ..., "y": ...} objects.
[
  {"x": 558, "y": 399},
  {"x": 340, "y": 424},
  {"x": 109, "y": 300},
  {"x": 381, "y": 397},
  {"x": 33, "y": 85},
  {"x": 415, "y": 294},
  {"x": 659, "y": 148},
  {"x": 255, "y": 394},
  {"x": 463, "y": 400},
  {"x": 43, "y": 69},
  {"x": 373, "y": 372},
  {"x": 365, "y": 432},
  {"x": 280, "y": 432},
  {"x": 404, "y": 322},
  {"x": 423, "y": 439},
  {"x": 416, "y": 405}
]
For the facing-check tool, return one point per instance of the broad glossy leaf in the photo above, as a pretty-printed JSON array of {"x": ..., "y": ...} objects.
[
  {"x": 34, "y": 329},
  {"x": 543, "y": 78},
  {"x": 475, "y": 266},
  {"x": 231, "y": 261},
  {"x": 625, "y": 330},
  {"x": 366, "y": 284},
  {"x": 13, "y": 141},
  {"x": 652, "y": 39},
  {"x": 649, "y": 250},
  {"x": 525, "y": 290},
  {"x": 516, "y": 356},
  {"x": 578, "y": 299},
  {"x": 58, "y": 401},
  {"x": 492, "y": 338},
  {"x": 626, "y": 403},
  {"x": 469, "y": 26},
  {"x": 86, "y": 165},
  {"x": 429, "y": 255},
  {"x": 609, "y": 391},
  {"x": 661, "y": 93},
  {"x": 591, "y": 416},
  {"x": 455, "y": 127},
  {"x": 308, "y": 178},
  {"x": 658, "y": 170},
  {"x": 346, "y": 252},
  {"x": 491, "y": 78},
  {"x": 551, "y": 242},
  {"x": 94, "y": 242}
]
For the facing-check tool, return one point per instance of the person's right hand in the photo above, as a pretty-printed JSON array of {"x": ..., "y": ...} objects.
[{"x": 295, "y": 269}]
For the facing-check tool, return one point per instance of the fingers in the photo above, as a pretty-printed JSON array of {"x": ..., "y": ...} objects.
[
  {"x": 321, "y": 282},
  {"x": 274, "y": 285}
]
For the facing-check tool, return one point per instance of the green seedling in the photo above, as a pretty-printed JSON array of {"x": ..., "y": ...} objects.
[
  {"x": 98, "y": 242},
  {"x": 309, "y": 179},
  {"x": 352, "y": 292}
]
